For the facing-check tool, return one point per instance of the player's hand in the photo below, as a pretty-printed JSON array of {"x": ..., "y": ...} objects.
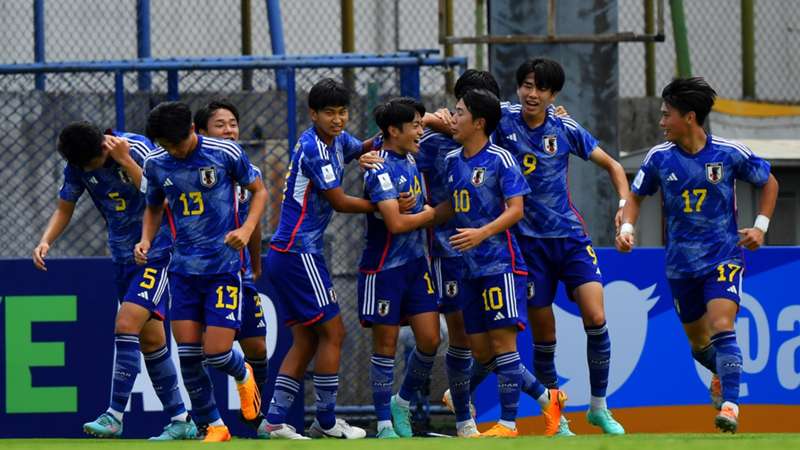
[
  {"x": 444, "y": 115},
  {"x": 118, "y": 148},
  {"x": 751, "y": 238},
  {"x": 237, "y": 238},
  {"x": 39, "y": 254},
  {"x": 140, "y": 252},
  {"x": 369, "y": 160},
  {"x": 467, "y": 238},
  {"x": 406, "y": 202},
  {"x": 561, "y": 111},
  {"x": 618, "y": 220},
  {"x": 624, "y": 242}
]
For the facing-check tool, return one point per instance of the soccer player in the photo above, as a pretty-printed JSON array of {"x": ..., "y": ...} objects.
[
  {"x": 486, "y": 190},
  {"x": 196, "y": 176},
  {"x": 552, "y": 235},
  {"x": 394, "y": 283},
  {"x": 108, "y": 166},
  {"x": 696, "y": 173},
  {"x": 220, "y": 119},
  {"x": 296, "y": 267}
]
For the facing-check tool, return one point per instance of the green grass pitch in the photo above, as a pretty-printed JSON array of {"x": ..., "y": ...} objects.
[{"x": 629, "y": 442}]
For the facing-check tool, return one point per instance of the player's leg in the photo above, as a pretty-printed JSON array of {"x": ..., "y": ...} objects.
[
  {"x": 384, "y": 346},
  {"x": 252, "y": 334}
]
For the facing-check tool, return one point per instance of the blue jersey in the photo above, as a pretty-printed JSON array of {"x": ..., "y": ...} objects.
[
  {"x": 118, "y": 200},
  {"x": 479, "y": 187},
  {"x": 201, "y": 195},
  {"x": 384, "y": 250},
  {"x": 543, "y": 154},
  {"x": 244, "y": 197},
  {"x": 433, "y": 147},
  {"x": 699, "y": 200},
  {"x": 305, "y": 213}
]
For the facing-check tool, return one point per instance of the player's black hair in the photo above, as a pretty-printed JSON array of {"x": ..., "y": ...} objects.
[
  {"x": 169, "y": 121},
  {"x": 328, "y": 93},
  {"x": 483, "y": 104},
  {"x": 80, "y": 142},
  {"x": 203, "y": 115},
  {"x": 690, "y": 94},
  {"x": 476, "y": 79},
  {"x": 396, "y": 112},
  {"x": 547, "y": 74}
]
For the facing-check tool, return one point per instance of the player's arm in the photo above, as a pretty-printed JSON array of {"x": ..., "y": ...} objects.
[
  {"x": 753, "y": 238},
  {"x": 57, "y": 224},
  {"x": 254, "y": 247},
  {"x": 630, "y": 214},
  {"x": 151, "y": 221},
  {"x": 467, "y": 238},
  {"x": 443, "y": 212},
  {"x": 119, "y": 149},
  {"x": 344, "y": 203},
  {"x": 617, "y": 175},
  {"x": 397, "y": 222},
  {"x": 240, "y": 237}
]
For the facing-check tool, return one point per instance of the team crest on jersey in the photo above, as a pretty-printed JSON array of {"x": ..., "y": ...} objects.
[
  {"x": 531, "y": 290},
  {"x": 451, "y": 289},
  {"x": 714, "y": 172},
  {"x": 124, "y": 176},
  {"x": 332, "y": 294},
  {"x": 383, "y": 307},
  {"x": 478, "y": 176},
  {"x": 550, "y": 144},
  {"x": 208, "y": 176}
]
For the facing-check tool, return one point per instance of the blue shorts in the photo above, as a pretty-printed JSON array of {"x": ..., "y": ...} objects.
[
  {"x": 495, "y": 301},
  {"x": 449, "y": 274},
  {"x": 690, "y": 295},
  {"x": 213, "y": 300},
  {"x": 146, "y": 286},
  {"x": 253, "y": 323},
  {"x": 390, "y": 296},
  {"x": 571, "y": 260},
  {"x": 303, "y": 288}
]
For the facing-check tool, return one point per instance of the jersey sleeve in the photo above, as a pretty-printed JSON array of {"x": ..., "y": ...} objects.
[
  {"x": 378, "y": 185},
  {"x": 72, "y": 189},
  {"x": 317, "y": 166},
  {"x": 512, "y": 182},
  {"x": 352, "y": 147},
  {"x": 752, "y": 169},
  {"x": 581, "y": 142},
  {"x": 240, "y": 168},
  {"x": 139, "y": 149},
  {"x": 151, "y": 188},
  {"x": 646, "y": 181}
]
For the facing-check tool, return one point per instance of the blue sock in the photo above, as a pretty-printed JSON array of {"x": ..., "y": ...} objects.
[
  {"x": 164, "y": 377},
  {"x": 418, "y": 371},
  {"x": 707, "y": 357},
  {"x": 230, "y": 362},
  {"x": 126, "y": 367},
  {"x": 382, "y": 374},
  {"x": 509, "y": 381},
  {"x": 598, "y": 354},
  {"x": 260, "y": 371},
  {"x": 198, "y": 384},
  {"x": 458, "y": 362},
  {"x": 729, "y": 364},
  {"x": 326, "y": 387},
  {"x": 286, "y": 389},
  {"x": 530, "y": 385},
  {"x": 480, "y": 372},
  {"x": 544, "y": 364}
]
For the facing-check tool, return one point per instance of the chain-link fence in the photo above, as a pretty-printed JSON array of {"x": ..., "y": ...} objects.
[{"x": 30, "y": 121}]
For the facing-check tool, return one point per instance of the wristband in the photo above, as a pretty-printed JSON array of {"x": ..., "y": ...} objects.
[
  {"x": 762, "y": 223},
  {"x": 622, "y": 203},
  {"x": 626, "y": 228}
]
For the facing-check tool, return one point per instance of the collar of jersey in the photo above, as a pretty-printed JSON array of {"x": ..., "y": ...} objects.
[
  {"x": 480, "y": 152},
  {"x": 527, "y": 127},
  {"x": 394, "y": 154},
  {"x": 695, "y": 155}
]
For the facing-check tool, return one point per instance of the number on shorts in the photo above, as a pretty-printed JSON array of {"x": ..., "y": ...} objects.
[
  {"x": 591, "y": 253},
  {"x": 233, "y": 293},
  {"x": 492, "y": 298},
  {"x": 733, "y": 268},
  {"x": 428, "y": 282},
  {"x": 149, "y": 278}
]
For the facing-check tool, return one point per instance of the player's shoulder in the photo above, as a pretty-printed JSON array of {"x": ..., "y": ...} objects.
[
  {"x": 453, "y": 154},
  {"x": 501, "y": 155},
  {"x": 657, "y": 153},
  {"x": 731, "y": 146},
  {"x": 379, "y": 168},
  {"x": 156, "y": 157},
  {"x": 311, "y": 146},
  {"x": 508, "y": 107},
  {"x": 225, "y": 146},
  {"x": 256, "y": 170},
  {"x": 566, "y": 123}
]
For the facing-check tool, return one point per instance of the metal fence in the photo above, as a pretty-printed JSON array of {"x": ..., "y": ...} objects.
[{"x": 273, "y": 113}]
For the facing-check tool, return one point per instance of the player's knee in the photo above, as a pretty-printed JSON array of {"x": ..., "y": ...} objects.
[
  {"x": 127, "y": 324},
  {"x": 429, "y": 344},
  {"x": 594, "y": 319},
  {"x": 150, "y": 342},
  {"x": 720, "y": 324},
  {"x": 254, "y": 348}
]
